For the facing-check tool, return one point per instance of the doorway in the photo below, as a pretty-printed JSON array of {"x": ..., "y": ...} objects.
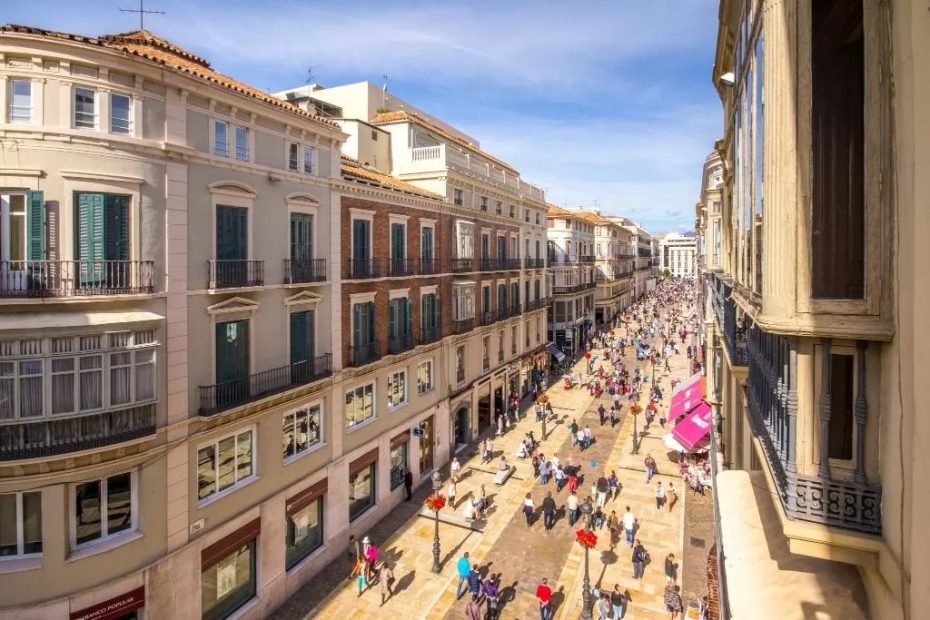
[
  {"x": 460, "y": 428},
  {"x": 484, "y": 413},
  {"x": 426, "y": 445}
]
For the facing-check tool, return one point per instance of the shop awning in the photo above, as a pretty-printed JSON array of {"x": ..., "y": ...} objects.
[
  {"x": 683, "y": 405},
  {"x": 688, "y": 383},
  {"x": 559, "y": 356},
  {"x": 695, "y": 428}
]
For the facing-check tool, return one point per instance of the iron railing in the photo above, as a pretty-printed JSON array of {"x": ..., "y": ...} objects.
[
  {"x": 363, "y": 268},
  {"x": 401, "y": 266},
  {"x": 533, "y": 263},
  {"x": 460, "y": 326},
  {"x": 573, "y": 288},
  {"x": 75, "y": 278},
  {"x": 236, "y": 392},
  {"x": 430, "y": 334},
  {"x": 488, "y": 263},
  {"x": 301, "y": 270},
  {"x": 236, "y": 273},
  {"x": 429, "y": 266},
  {"x": 36, "y": 439},
  {"x": 364, "y": 354},
  {"x": 460, "y": 265},
  {"x": 488, "y": 318},
  {"x": 399, "y": 343}
]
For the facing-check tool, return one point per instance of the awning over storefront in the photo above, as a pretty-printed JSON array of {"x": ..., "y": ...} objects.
[
  {"x": 696, "y": 379},
  {"x": 559, "y": 356},
  {"x": 681, "y": 406},
  {"x": 695, "y": 428}
]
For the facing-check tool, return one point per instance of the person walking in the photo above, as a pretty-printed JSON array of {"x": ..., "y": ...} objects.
[
  {"x": 543, "y": 472},
  {"x": 488, "y": 449},
  {"x": 492, "y": 596},
  {"x": 588, "y": 437},
  {"x": 454, "y": 468},
  {"x": 452, "y": 493},
  {"x": 462, "y": 567},
  {"x": 548, "y": 510},
  {"x": 639, "y": 558},
  {"x": 474, "y": 581},
  {"x": 528, "y": 509},
  {"x": 544, "y": 596},
  {"x": 571, "y": 507},
  {"x": 616, "y": 601},
  {"x": 472, "y": 609},
  {"x": 602, "y": 487},
  {"x": 385, "y": 576},
  {"x": 613, "y": 482},
  {"x": 671, "y": 569},
  {"x": 650, "y": 464},
  {"x": 670, "y": 496},
  {"x": 673, "y": 603},
  {"x": 580, "y": 436},
  {"x": 559, "y": 474},
  {"x": 629, "y": 525},
  {"x": 660, "y": 495},
  {"x": 572, "y": 431}
]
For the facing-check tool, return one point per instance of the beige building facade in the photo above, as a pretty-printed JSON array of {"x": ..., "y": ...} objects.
[
  {"x": 814, "y": 339},
  {"x": 571, "y": 278}
]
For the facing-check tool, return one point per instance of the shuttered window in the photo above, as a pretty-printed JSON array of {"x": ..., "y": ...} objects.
[
  {"x": 301, "y": 236},
  {"x": 232, "y": 233},
  {"x": 302, "y": 332},
  {"x": 363, "y": 324}
]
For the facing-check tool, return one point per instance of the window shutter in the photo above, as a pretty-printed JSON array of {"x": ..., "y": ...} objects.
[
  {"x": 370, "y": 320},
  {"x": 35, "y": 224},
  {"x": 360, "y": 239},
  {"x": 299, "y": 339},
  {"x": 408, "y": 315},
  {"x": 116, "y": 232},
  {"x": 356, "y": 325},
  {"x": 231, "y": 233},
  {"x": 392, "y": 318},
  {"x": 301, "y": 235}
]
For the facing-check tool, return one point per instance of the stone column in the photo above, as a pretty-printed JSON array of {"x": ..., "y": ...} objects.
[
  {"x": 860, "y": 410},
  {"x": 825, "y": 401},
  {"x": 791, "y": 408}
]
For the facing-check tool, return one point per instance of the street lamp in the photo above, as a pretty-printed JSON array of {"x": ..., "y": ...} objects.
[
  {"x": 437, "y": 485},
  {"x": 634, "y": 411},
  {"x": 586, "y": 603}
]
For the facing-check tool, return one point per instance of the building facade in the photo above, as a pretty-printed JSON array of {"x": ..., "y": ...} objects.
[
  {"x": 708, "y": 212},
  {"x": 814, "y": 345},
  {"x": 613, "y": 268},
  {"x": 223, "y": 343},
  {"x": 571, "y": 278},
  {"x": 678, "y": 254}
]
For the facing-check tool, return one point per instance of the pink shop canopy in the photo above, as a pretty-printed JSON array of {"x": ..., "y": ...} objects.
[
  {"x": 687, "y": 399},
  {"x": 694, "y": 430},
  {"x": 695, "y": 379}
]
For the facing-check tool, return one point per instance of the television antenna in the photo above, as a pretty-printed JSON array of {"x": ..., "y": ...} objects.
[{"x": 142, "y": 11}]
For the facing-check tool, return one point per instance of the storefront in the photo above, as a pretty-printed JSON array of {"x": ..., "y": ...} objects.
[{"x": 128, "y": 606}]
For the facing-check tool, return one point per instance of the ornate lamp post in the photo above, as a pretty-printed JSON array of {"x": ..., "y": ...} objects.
[
  {"x": 588, "y": 539},
  {"x": 634, "y": 411},
  {"x": 438, "y": 501}
]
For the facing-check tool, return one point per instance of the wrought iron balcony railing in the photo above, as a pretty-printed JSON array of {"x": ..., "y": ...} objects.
[
  {"x": 399, "y": 343},
  {"x": 487, "y": 318},
  {"x": 364, "y": 354},
  {"x": 573, "y": 288},
  {"x": 401, "y": 266},
  {"x": 303, "y": 270},
  {"x": 534, "y": 263},
  {"x": 430, "y": 334},
  {"x": 364, "y": 268},
  {"x": 462, "y": 265},
  {"x": 75, "y": 278},
  {"x": 429, "y": 266},
  {"x": 21, "y": 439},
  {"x": 236, "y": 273},
  {"x": 229, "y": 394},
  {"x": 460, "y": 326}
]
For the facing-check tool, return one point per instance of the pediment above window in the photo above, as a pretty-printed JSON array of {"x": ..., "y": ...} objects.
[{"x": 235, "y": 304}]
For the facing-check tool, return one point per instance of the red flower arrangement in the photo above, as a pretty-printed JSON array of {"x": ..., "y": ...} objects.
[
  {"x": 587, "y": 538},
  {"x": 587, "y": 355},
  {"x": 635, "y": 409},
  {"x": 436, "y": 502}
]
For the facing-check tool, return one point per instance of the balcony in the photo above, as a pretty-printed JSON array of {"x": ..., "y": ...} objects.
[
  {"x": 488, "y": 318},
  {"x": 537, "y": 304},
  {"x": 487, "y": 264},
  {"x": 534, "y": 263},
  {"x": 460, "y": 326},
  {"x": 572, "y": 288},
  {"x": 429, "y": 266},
  {"x": 516, "y": 310},
  {"x": 771, "y": 390},
  {"x": 401, "y": 267},
  {"x": 75, "y": 278},
  {"x": 508, "y": 264},
  {"x": 236, "y": 273},
  {"x": 364, "y": 354},
  {"x": 502, "y": 312},
  {"x": 304, "y": 270},
  {"x": 734, "y": 336},
  {"x": 229, "y": 394},
  {"x": 364, "y": 268},
  {"x": 399, "y": 343},
  {"x": 430, "y": 334},
  {"x": 462, "y": 265},
  {"x": 37, "y": 439}
]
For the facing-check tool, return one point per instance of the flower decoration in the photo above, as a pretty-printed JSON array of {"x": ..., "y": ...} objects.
[
  {"x": 587, "y": 538},
  {"x": 436, "y": 502},
  {"x": 635, "y": 409},
  {"x": 587, "y": 355},
  {"x": 544, "y": 398}
]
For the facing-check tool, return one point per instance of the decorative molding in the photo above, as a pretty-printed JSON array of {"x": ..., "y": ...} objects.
[
  {"x": 101, "y": 176},
  {"x": 235, "y": 304},
  {"x": 304, "y": 297},
  {"x": 232, "y": 188}
]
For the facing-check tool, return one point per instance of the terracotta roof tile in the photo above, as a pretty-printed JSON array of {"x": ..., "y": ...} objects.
[
  {"x": 556, "y": 211},
  {"x": 352, "y": 169},
  {"x": 144, "y": 44},
  {"x": 399, "y": 116}
]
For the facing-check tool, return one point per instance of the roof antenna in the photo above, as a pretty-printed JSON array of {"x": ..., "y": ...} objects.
[
  {"x": 310, "y": 76},
  {"x": 142, "y": 11}
]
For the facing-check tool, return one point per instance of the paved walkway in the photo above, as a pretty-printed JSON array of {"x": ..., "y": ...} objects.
[{"x": 522, "y": 555}]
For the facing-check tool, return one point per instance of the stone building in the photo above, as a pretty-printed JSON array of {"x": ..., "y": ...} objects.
[{"x": 571, "y": 274}]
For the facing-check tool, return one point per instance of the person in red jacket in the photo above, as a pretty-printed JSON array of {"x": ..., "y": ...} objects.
[{"x": 544, "y": 594}]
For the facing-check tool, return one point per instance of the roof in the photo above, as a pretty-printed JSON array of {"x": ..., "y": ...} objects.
[
  {"x": 556, "y": 211},
  {"x": 144, "y": 44},
  {"x": 593, "y": 218},
  {"x": 353, "y": 170},
  {"x": 400, "y": 116}
]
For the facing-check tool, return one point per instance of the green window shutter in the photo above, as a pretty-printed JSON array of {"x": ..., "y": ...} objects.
[
  {"x": 299, "y": 337},
  {"x": 232, "y": 351},
  {"x": 116, "y": 227},
  {"x": 301, "y": 236},
  {"x": 426, "y": 243},
  {"x": 392, "y": 318},
  {"x": 370, "y": 320},
  {"x": 90, "y": 227},
  {"x": 35, "y": 225},
  {"x": 408, "y": 315},
  {"x": 356, "y": 325},
  {"x": 360, "y": 239},
  {"x": 231, "y": 233},
  {"x": 397, "y": 241}
]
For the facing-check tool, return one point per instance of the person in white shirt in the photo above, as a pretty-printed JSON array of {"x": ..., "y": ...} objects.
[
  {"x": 571, "y": 506},
  {"x": 454, "y": 467},
  {"x": 629, "y": 524}
]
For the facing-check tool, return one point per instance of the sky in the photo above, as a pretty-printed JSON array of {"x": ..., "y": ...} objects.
[{"x": 603, "y": 103}]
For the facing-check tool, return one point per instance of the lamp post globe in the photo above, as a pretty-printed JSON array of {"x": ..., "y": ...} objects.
[
  {"x": 437, "y": 485},
  {"x": 437, "y": 480}
]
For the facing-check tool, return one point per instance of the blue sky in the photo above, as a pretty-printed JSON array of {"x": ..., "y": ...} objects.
[{"x": 600, "y": 102}]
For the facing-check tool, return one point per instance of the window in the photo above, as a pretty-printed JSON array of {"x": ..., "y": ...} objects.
[
  {"x": 229, "y": 583},
  {"x": 425, "y": 377},
  {"x": 398, "y": 465},
  {"x": 301, "y": 430},
  {"x": 87, "y": 373},
  {"x": 460, "y": 364},
  {"x": 85, "y": 109},
  {"x": 242, "y": 144},
  {"x": 293, "y": 157},
  {"x": 360, "y": 405},
  {"x": 458, "y": 196},
  {"x": 500, "y": 347},
  {"x": 513, "y": 340},
  {"x": 397, "y": 389},
  {"x": 513, "y": 212},
  {"x": 231, "y": 361},
  {"x": 20, "y": 524},
  {"x": 20, "y": 101},
  {"x": 304, "y": 532},
  {"x": 302, "y": 332},
  {"x": 220, "y": 139},
  {"x": 429, "y": 316},
  {"x": 842, "y": 397},
  {"x": 361, "y": 491},
  {"x": 363, "y": 333},
  {"x": 120, "y": 113},
  {"x": 427, "y": 251},
  {"x": 308, "y": 160},
  {"x": 225, "y": 464},
  {"x": 104, "y": 508},
  {"x": 484, "y": 203},
  {"x": 465, "y": 240},
  {"x": 486, "y": 352},
  {"x": 463, "y": 303}
]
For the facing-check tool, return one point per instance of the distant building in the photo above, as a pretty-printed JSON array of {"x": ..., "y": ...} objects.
[{"x": 678, "y": 254}]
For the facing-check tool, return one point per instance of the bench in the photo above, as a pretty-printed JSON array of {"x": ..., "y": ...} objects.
[
  {"x": 454, "y": 518},
  {"x": 501, "y": 476}
]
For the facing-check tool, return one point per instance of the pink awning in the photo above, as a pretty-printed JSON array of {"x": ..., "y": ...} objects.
[
  {"x": 683, "y": 405},
  {"x": 687, "y": 383},
  {"x": 691, "y": 431}
]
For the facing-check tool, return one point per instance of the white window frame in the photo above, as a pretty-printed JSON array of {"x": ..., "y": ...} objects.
[
  {"x": 20, "y": 543},
  {"x": 74, "y": 92},
  {"x": 214, "y": 145},
  {"x": 295, "y": 160},
  {"x": 464, "y": 298},
  {"x": 311, "y": 447},
  {"x": 392, "y": 381},
  {"x": 403, "y": 220},
  {"x": 11, "y": 108},
  {"x": 307, "y": 163},
  {"x": 239, "y": 483},
  {"x": 105, "y": 537},
  {"x": 241, "y": 152},
  {"x": 429, "y": 387},
  {"x": 129, "y": 120},
  {"x": 374, "y": 406}
]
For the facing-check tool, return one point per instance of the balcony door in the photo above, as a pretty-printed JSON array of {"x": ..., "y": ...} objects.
[
  {"x": 302, "y": 344},
  {"x": 22, "y": 237},
  {"x": 363, "y": 331},
  {"x": 102, "y": 240},
  {"x": 232, "y": 361},
  {"x": 501, "y": 246},
  {"x": 361, "y": 247},
  {"x": 426, "y": 250},
  {"x": 429, "y": 314},
  {"x": 398, "y": 247},
  {"x": 399, "y": 322}
]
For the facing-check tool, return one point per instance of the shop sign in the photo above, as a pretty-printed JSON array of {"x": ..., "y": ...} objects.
[{"x": 113, "y": 608}]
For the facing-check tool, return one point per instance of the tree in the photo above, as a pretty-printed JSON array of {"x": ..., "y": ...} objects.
[{"x": 666, "y": 273}]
